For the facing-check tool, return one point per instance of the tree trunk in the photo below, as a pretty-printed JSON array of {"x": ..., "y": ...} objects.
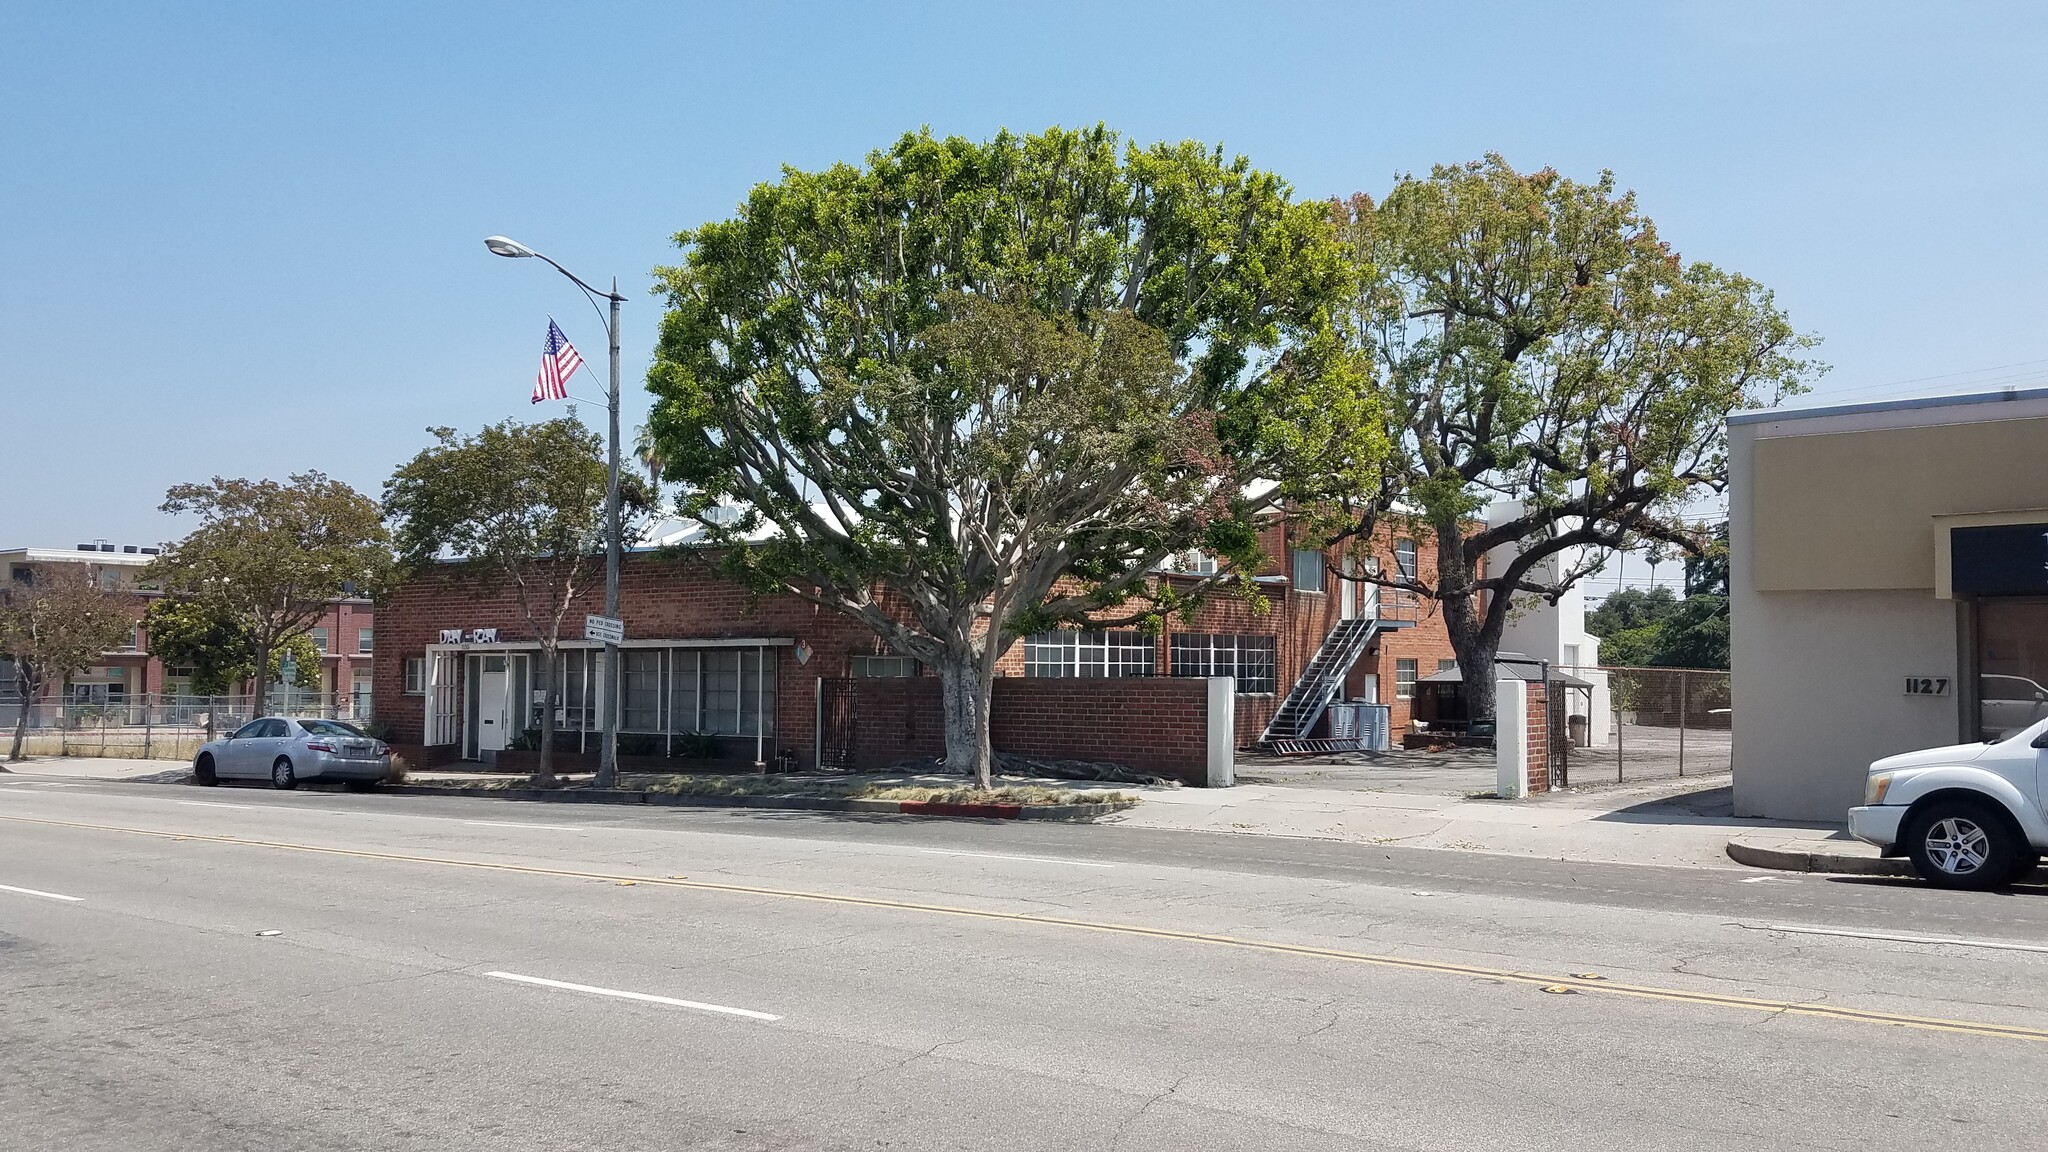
[
  {"x": 966, "y": 681},
  {"x": 260, "y": 682},
  {"x": 544, "y": 772},
  {"x": 1475, "y": 634},
  {"x": 28, "y": 695}
]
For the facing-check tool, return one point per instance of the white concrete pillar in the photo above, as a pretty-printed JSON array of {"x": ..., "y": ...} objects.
[
  {"x": 1511, "y": 738},
  {"x": 1222, "y": 731}
]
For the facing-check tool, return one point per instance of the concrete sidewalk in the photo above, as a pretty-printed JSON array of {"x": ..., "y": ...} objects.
[
  {"x": 94, "y": 767},
  {"x": 1677, "y": 822},
  {"x": 1673, "y": 822}
]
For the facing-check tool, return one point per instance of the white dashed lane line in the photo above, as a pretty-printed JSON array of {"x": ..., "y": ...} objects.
[
  {"x": 44, "y": 895},
  {"x": 643, "y": 997}
]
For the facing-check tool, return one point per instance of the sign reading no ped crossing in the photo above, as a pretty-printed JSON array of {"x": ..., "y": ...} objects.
[{"x": 604, "y": 629}]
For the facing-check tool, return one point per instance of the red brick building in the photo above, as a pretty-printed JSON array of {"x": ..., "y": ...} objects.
[
  {"x": 457, "y": 671},
  {"x": 345, "y": 635}
]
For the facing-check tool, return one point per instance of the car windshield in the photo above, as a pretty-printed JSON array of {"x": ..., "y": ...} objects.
[{"x": 327, "y": 728}]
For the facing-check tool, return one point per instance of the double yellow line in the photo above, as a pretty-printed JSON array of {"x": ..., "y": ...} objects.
[{"x": 1582, "y": 983}]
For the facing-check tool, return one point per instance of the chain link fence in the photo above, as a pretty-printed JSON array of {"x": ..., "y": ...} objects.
[
  {"x": 152, "y": 727},
  {"x": 1648, "y": 724}
]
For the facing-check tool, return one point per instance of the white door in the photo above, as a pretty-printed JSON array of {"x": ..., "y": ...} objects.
[
  {"x": 490, "y": 706},
  {"x": 1347, "y": 590}
]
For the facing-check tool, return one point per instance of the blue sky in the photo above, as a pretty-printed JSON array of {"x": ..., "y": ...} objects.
[{"x": 246, "y": 239}]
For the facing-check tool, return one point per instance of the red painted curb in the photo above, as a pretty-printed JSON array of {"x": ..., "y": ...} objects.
[{"x": 989, "y": 811}]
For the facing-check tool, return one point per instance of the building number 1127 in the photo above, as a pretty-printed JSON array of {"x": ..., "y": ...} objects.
[{"x": 1926, "y": 685}]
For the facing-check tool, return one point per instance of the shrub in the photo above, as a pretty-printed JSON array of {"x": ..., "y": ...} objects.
[
  {"x": 398, "y": 771},
  {"x": 698, "y": 746},
  {"x": 639, "y": 744}
]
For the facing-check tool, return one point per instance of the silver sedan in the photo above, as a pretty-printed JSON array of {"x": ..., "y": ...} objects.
[{"x": 286, "y": 751}]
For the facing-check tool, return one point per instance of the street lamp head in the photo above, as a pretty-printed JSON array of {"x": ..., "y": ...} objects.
[{"x": 506, "y": 246}]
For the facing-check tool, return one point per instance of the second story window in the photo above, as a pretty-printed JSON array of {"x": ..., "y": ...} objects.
[
  {"x": 1308, "y": 570},
  {"x": 320, "y": 640},
  {"x": 1404, "y": 559},
  {"x": 363, "y": 639}
]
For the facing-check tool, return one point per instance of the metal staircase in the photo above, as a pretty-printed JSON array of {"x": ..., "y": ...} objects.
[{"x": 1288, "y": 730}]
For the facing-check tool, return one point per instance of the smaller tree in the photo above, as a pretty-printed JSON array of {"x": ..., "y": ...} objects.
[
  {"x": 1539, "y": 344},
  {"x": 269, "y": 557},
  {"x": 1629, "y": 609},
  {"x": 519, "y": 506},
  {"x": 220, "y": 652},
  {"x": 57, "y": 623}
]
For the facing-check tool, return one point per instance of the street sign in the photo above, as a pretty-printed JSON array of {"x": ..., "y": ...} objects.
[{"x": 604, "y": 629}]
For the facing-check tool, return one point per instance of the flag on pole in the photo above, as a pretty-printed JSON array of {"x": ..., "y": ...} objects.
[{"x": 558, "y": 362}]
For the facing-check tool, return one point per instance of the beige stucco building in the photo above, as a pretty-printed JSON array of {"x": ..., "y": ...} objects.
[{"x": 1888, "y": 588}]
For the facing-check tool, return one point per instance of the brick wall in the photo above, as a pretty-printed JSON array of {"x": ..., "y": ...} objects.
[
  {"x": 1537, "y": 745},
  {"x": 665, "y": 598},
  {"x": 1155, "y": 725},
  {"x": 682, "y": 599}
]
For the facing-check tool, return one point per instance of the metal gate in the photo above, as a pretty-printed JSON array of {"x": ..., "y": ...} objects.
[
  {"x": 1557, "y": 729},
  {"x": 837, "y": 723}
]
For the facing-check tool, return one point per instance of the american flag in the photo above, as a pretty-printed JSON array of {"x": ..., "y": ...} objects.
[{"x": 558, "y": 362}]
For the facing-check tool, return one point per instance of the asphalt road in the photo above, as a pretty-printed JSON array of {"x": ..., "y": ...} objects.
[{"x": 242, "y": 969}]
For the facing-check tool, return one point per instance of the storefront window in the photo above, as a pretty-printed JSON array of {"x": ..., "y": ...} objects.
[{"x": 2012, "y": 664}]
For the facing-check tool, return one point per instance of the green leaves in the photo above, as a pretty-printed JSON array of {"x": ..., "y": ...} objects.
[
  {"x": 1538, "y": 341},
  {"x": 270, "y": 556},
  {"x": 966, "y": 370},
  {"x": 59, "y": 622},
  {"x": 510, "y": 494}
]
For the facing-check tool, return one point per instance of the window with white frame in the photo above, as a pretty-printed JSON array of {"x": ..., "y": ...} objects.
[
  {"x": 415, "y": 675},
  {"x": 1248, "y": 658},
  {"x": 1193, "y": 562},
  {"x": 320, "y": 640},
  {"x": 1447, "y": 665},
  {"x": 884, "y": 666},
  {"x": 1404, "y": 559},
  {"x": 364, "y": 639},
  {"x": 1308, "y": 570},
  {"x": 1404, "y": 679},
  {"x": 1090, "y": 654}
]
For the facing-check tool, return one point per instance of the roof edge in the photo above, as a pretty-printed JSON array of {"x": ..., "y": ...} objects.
[{"x": 1960, "y": 399}]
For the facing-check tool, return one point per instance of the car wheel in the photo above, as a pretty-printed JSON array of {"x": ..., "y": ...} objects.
[
  {"x": 282, "y": 776},
  {"x": 203, "y": 773},
  {"x": 1964, "y": 844}
]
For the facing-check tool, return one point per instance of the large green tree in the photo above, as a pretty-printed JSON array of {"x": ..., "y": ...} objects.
[
  {"x": 59, "y": 621},
  {"x": 518, "y": 506},
  {"x": 218, "y": 649},
  {"x": 968, "y": 391},
  {"x": 1537, "y": 341},
  {"x": 269, "y": 557}
]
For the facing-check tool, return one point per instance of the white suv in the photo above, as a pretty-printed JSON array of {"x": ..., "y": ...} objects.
[{"x": 1968, "y": 816}]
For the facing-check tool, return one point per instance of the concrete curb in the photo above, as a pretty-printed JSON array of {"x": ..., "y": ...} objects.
[
  {"x": 1783, "y": 859},
  {"x": 1075, "y": 812}
]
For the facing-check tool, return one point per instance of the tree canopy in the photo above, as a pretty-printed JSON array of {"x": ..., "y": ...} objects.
[
  {"x": 968, "y": 390},
  {"x": 1537, "y": 341},
  {"x": 59, "y": 621},
  {"x": 1653, "y": 628},
  {"x": 269, "y": 557},
  {"x": 219, "y": 648}
]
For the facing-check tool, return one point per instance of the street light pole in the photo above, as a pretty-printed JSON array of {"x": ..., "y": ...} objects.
[
  {"x": 614, "y": 549},
  {"x": 608, "y": 752}
]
